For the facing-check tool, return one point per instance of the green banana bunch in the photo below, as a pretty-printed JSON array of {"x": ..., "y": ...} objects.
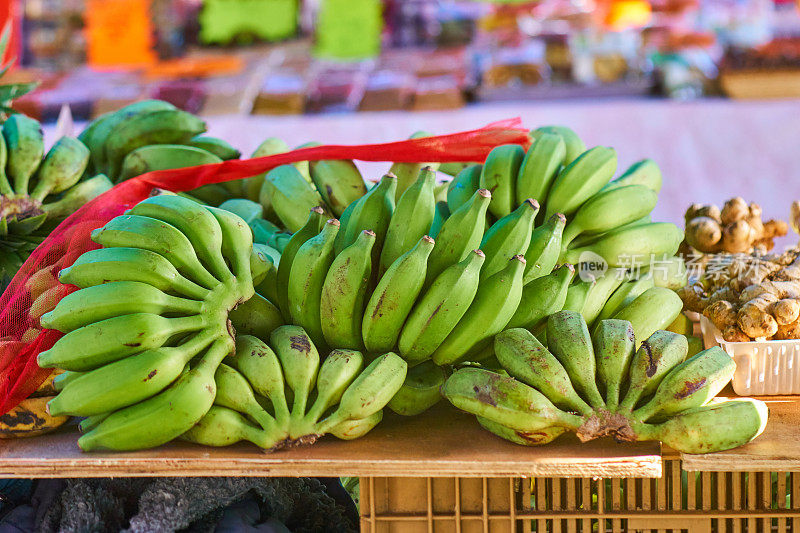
[
  {"x": 37, "y": 189},
  {"x": 576, "y": 386},
  {"x": 337, "y": 396},
  {"x": 151, "y": 321}
]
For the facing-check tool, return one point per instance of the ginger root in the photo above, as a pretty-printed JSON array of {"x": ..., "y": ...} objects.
[
  {"x": 736, "y": 228},
  {"x": 749, "y": 296}
]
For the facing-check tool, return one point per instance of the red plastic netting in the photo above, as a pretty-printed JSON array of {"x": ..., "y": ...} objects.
[{"x": 35, "y": 289}]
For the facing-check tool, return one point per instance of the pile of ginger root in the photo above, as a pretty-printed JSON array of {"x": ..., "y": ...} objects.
[
  {"x": 749, "y": 296},
  {"x": 736, "y": 228}
]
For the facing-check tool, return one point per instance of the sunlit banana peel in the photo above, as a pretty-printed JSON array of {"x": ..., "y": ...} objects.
[{"x": 649, "y": 394}]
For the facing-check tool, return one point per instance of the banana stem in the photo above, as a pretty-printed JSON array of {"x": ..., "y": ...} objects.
[
  {"x": 316, "y": 411},
  {"x": 41, "y": 191},
  {"x": 257, "y": 413},
  {"x": 282, "y": 414},
  {"x": 214, "y": 356},
  {"x": 646, "y": 412},
  {"x": 203, "y": 276},
  {"x": 189, "y": 288},
  {"x": 336, "y": 418},
  {"x": 184, "y": 305},
  {"x": 5, "y": 186},
  {"x": 195, "y": 344},
  {"x": 299, "y": 405},
  {"x": 185, "y": 324},
  {"x": 568, "y": 420},
  {"x": 644, "y": 431},
  {"x": 265, "y": 439},
  {"x": 612, "y": 396}
]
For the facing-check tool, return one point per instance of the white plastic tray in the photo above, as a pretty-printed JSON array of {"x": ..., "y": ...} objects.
[{"x": 762, "y": 367}]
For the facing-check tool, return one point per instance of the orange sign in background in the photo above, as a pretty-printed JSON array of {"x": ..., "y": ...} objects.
[{"x": 119, "y": 33}]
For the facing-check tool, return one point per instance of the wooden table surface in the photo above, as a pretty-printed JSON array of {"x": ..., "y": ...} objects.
[{"x": 440, "y": 443}]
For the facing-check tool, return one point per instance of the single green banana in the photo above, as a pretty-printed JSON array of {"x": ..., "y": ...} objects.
[
  {"x": 668, "y": 272},
  {"x": 440, "y": 215},
  {"x": 258, "y": 363},
  {"x": 453, "y": 168},
  {"x": 524, "y": 438},
  {"x": 163, "y": 157},
  {"x": 573, "y": 144},
  {"x": 653, "y": 310},
  {"x": 600, "y": 291},
  {"x": 265, "y": 272},
  {"x": 252, "y": 186},
  {"x": 712, "y": 428},
  {"x": 247, "y": 210},
  {"x": 165, "y": 416},
  {"x": 394, "y": 296},
  {"x": 91, "y": 422},
  {"x": 235, "y": 392},
  {"x": 545, "y": 248},
  {"x": 494, "y": 304},
  {"x": 440, "y": 308},
  {"x": 237, "y": 246},
  {"x": 622, "y": 246},
  {"x": 569, "y": 340},
  {"x": 541, "y": 165},
  {"x": 644, "y": 172},
  {"x": 342, "y": 299},
  {"x": 499, "y": 177},
  {"x": 420, "y": 390},
  {"x": 65, "y": 378},
  {"x": 300, "y": 361},
  {"x": 168, "y": 126},
  {"x": 354, "y": 429},
  {"x": 77, "y": 196},
  {"x": 312, "y": 227},
  {"x": 307, "y": 277},
  {"x": 337, "y": 372},
  {"x": 407, "y": 172},
  {"x": 577, "y": 294},
  {"x": 504, "y": 400},
  {"x": 61, "y": 169},
  {"x": 370, "y": 391},
  {"x": 581, "y": 180},
  {"x": 338, "y": 181},
  {"x": 115, "y": 298},
  {"x": 463, "y": 186},
  {"x": 689, "y": 385},
  {"x": 25, "y": 148},
  {"x": 256, "y": 316},
  {"x": 542, "y": 297},
  {"x": 105, "y": 265},
  {"x": 624, "y": 295},
  {"x": 221, "y": 426},
  {"x": 526, "y": 359},
  {"x": 411, "y": 219},
  {"x": 614, "y": 344},
  {"x": 656, "y": 356},
  {"x": 112, "y": 339},
  {"x": 461, "y": 233},
  {"x": 508, "y": 237},
  {"x": 373, "y": 211},
  {"x": 211, "y": 194},
  {"x": 99, "y": 130},
  {"x": 264, "y": 231},
  {"x": 219, "y": 147},
  {"x": 136, "y": 231},
  {"x": 610, "y": 209},
  {"x": 291, "y": 196},
  {"x": 128, "y": 380},
  {"x": 195, "y": 221}
]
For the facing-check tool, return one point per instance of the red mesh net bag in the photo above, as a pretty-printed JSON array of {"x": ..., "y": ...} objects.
[{"x": 35, "y": 288}]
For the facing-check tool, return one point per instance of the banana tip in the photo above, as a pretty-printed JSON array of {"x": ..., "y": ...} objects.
[
  {"x": 485, "y": 193},
  {"x": 428, "y": 239}
]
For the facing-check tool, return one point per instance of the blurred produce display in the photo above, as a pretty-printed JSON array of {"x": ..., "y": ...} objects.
[{"x": 227, "y": 56}]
